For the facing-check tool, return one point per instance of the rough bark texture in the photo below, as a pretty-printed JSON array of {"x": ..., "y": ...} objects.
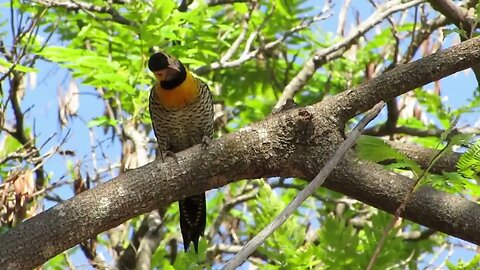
[{"x": 293, "y": 143}]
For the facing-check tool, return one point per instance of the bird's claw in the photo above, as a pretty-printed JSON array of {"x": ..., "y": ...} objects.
[
  {"x": 168, "y": 154},
  {"x": 206, "y": 142}
]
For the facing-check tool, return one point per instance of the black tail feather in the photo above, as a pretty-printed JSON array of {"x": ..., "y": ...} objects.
[{"x": 193, "y": 217}]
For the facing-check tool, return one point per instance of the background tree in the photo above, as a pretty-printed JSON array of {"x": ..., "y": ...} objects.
[{"x": 255, "y": 55}]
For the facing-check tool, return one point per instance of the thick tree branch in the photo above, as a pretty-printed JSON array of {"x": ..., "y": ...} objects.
[
  {"x": 446, "y": 163},
  {"x": 461, "y": 19},
  {"x": 146, "y": 239},
  {"x": 455, "y": 14},
  {"x": 293, "y": 143},
  {"x": 384, "y": 129}
]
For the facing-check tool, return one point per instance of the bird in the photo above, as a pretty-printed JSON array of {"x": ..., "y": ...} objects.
[{"x": 181, "y": 110}]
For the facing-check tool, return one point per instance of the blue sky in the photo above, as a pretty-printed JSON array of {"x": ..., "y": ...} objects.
[{"x": 42, "y": 98}]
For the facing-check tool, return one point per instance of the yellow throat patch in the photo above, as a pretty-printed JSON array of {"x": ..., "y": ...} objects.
[{"x": 180, "y": 96}]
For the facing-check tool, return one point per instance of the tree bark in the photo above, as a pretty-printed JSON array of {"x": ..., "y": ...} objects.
[{"x": 293, "y": 143}]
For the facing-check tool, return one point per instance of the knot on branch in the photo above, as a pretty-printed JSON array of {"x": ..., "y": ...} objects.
[{"x": 305, "y": 127}]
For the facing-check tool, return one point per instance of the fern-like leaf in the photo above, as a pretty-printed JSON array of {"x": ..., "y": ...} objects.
[{"x": 469, "y": 163}]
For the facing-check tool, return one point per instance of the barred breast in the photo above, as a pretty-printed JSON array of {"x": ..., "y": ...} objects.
[{"x": 180, "y": 129}]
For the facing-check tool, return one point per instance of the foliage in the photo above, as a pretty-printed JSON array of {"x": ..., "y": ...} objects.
[{"x": 469, "y": 163}]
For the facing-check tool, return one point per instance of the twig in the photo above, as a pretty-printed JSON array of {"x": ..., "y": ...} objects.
[
  {"x": 407, "y": 199},
  {"x": 417, "y": 236},
  {"x": 228, "y": 206},
  {"x": 144, "y": 242},
  {"x": 223, "y": 2},
  {"x": 415, "y": 18},
  {"x": 29, "y": 30},
  {"x": 77, "y": 5},
  {"x": 282, "y": 184},
  {"x": 17, "y": 38},
  {"x": 428, "y": 27},
  {"x": 222, "y": 248},
  {"x": 342, "y": 18},
  {"x": 304, "y": 194},
  {"x": 241, "y": 37}
]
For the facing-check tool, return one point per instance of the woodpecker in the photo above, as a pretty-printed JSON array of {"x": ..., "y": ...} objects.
[{"x": 181, "y": 110}]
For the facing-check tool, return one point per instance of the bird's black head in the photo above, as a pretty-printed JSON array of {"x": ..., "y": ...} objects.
[
  {"x": 168, "y": 70},
  {"x": 158, "y": 61}
]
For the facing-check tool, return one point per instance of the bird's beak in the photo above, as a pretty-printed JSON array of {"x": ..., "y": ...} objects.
[{"x": 173, "y": 64}]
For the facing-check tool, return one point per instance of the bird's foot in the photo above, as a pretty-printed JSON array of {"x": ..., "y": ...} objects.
[
  {"x": 206, "y": 142},
  {"x": 168, "y": 154},
  {"x": 289, "y": 104}
]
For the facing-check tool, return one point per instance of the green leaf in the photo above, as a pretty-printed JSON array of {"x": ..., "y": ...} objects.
[
  {"x": 102, "y": 121},
  {"x": 374, "y": 149},
  {"x": 477, "y": 12},
  {"x": 468, "y": 164},
  {"x": 10, "y": 145},
  {"x": 472, "y": 188},
  {"x": 448, "y": 182},
  {"x": 166, "y": 8},
  {"x": 283, "y": 7},
  {"x": 447, "y": 32},
  {"x": 4, "y": 63},
  {"x": 56, "y": 263}
]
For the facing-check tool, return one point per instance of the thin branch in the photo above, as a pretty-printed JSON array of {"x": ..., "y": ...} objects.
[
  {"x": 342, "y": 18},
  {"x": 323, "y": 56},
  {"x": 16, "y": 39},
  {"x": 416, "y": 236},
  {"x": 222, "y": 248},
  {"x": 78, "y": 5},
  {"x": 282, "y": 184},
  {"x": 269, "y": 46},
  {"x": 23, "y": 153},
  {"x": 229, "y": 205},
  {"x": 392, "y": 115},
  {"x": 12, "y": 19},
  {"x": 140, "y": 141},
  {"x": 241, "y": 37},
  {"x": 146, "y": 239},
  {"x": 148, "y": 242},
  {"x": 223, "y": 2},
  {"x": 89, "y": 249},
  {"x": 19, "y": 133},
  {"x": 16, "y": 81},
  {"x": 421, "y": 35}
]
